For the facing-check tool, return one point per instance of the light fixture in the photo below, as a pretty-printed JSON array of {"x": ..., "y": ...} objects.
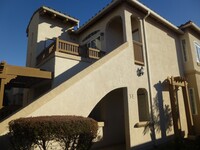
[{"x": 140, "y": 71}]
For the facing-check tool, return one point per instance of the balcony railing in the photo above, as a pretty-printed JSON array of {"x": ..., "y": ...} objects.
[
  {"x": 138, "y": 53},
  {"x": 69, "y": 48},
  {"x": 95, "y": 53}
]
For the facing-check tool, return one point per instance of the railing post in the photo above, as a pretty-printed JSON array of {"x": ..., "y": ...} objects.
[{"x": 57, "y": 44}]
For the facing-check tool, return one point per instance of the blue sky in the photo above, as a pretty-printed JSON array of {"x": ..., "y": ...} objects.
[{"x": 15, "y": 15}]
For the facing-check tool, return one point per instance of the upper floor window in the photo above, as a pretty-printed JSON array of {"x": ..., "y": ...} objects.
[
  {"x": 136, "y": 35},
  {"x": 197, "y": 47},
  {"x": 137, "y": 45},
  {"x": 183, "y": 42}
]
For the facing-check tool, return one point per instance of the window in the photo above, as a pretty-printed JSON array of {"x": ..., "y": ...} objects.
[
  {"x": 95, "y": 43},
  {"x": 138, "y": 50},
  {"x": 192, "y": 101},
  {"x": 197, "y": 47},
  {"x": 143, "y": 106},
  {"x": 184, "y": 50},
  {"x": 136, "y": 35}
]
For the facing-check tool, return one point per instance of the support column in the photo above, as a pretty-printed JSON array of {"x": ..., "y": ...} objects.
[
  {"x": 2, "y": 83},
  {"x": 175, "y": 111},
  {"x": 187, "y": 109}
]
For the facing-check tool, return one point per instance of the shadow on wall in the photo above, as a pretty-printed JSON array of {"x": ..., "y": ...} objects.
[
  {"x": 162, "y": 113},
  {"x": 5, "y": 143},
  {"x": 66, "y": 75}
]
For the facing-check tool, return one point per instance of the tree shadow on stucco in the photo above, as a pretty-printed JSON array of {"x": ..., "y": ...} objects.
[{"x": 162, "y": 113}]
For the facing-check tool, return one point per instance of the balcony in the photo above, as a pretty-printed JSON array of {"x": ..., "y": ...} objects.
[
  {"x": 138, "y": 53},
  {"x": 69, "y": 48}
]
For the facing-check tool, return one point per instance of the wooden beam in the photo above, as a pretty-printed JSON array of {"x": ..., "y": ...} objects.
[
  {"x": 53, "y": 16},
  {"x": 188, "y": 110},
  {"x": 2, "y": 81},
  {"x": 28, "y": 72},
  {"x": 178, "y": 83},
  {"x": 42, "y": 12},
  {"x": 65, "y": 20}
]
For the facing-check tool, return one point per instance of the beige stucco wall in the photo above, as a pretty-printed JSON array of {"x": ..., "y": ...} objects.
[
  {"x": 81, "y": 93},
  {"x": 164, "y": 52},
  {"x": 102, "y": 25},
  {"x": 192, "y": 72},
  {"x": 192, "y": 40},
  {"x": 32, "y": 41},
  {"x": 49, "y": 28},
  {"x": 193, "y": 82},
  {"x": 189, "y": 64},
  {"x": 43, "y": 28},
  {"x": 66, "y": 66}
]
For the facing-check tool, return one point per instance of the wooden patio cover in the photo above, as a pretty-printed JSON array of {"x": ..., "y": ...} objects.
[
  {"x": 175, "y": 83},
  {"x": 21, "y": 77}
]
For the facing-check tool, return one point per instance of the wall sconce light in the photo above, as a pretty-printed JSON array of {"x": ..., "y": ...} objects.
[{"x": 140, "y": 71}]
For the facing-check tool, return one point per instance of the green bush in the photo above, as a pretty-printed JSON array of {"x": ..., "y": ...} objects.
[{"x": 69, "y": 131}]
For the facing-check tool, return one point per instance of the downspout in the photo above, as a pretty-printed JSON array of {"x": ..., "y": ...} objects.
[{"x": 149, "y": 76}]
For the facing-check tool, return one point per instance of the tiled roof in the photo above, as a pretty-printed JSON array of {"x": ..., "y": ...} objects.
[
  {"x": 96, "y": 14},
  {"x": 190, "y": 24},
  {"x": 53, "y": 11},
  {"x": 134, "y": 3}
]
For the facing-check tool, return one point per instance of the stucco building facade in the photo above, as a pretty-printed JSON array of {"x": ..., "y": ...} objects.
[{"x": 127, "y": 67}]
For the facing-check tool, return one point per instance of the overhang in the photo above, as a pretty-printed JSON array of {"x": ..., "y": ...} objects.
[
  {"x": 190, "y": 25},
  {"x": 135, "y": 4},
  {"x": 21, "y": 77},
  {"x": 53, "y": 14}
]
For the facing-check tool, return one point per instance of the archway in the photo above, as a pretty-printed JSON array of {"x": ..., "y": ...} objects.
[
  {"x": 111, "y": 110},
  {"x": 114, "y": 34}
]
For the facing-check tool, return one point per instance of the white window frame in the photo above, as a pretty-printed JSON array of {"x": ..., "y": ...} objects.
[
  {"x": 193, "y": 104},
  {"x": 197, "y": 49}
]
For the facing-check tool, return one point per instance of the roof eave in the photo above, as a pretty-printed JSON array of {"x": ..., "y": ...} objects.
[
  {"x": 137, "y": 4},
  {"x": 155, "y": 16},
  {"x": 60, "y": 14},
  {"x": 191, "y": 25},
  {"x": 75, "y": 21},
  {"x": 110, "y": 6}
]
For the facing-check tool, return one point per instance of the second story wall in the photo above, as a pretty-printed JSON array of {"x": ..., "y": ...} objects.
[
  {"x": 32, "y": 33},
  {"x": 192, "y": 41},
  {"x": 49, "y": 29},
  {"x": 164, "y": 50},
  {"x": 105, "y": 34},
  {"x": 44, "y": 27}
]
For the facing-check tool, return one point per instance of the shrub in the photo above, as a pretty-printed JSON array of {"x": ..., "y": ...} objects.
[{"x": 72, "y": 132}]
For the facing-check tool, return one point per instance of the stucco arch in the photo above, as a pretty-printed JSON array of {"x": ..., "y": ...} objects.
[{"x": 111, "y": 110}]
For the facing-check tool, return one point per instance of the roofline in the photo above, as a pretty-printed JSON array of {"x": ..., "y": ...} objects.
[
  {"x": 101, "y": 13},
  {"x": 52, "y": 11},
  {"x": 60, "y": 14},
  {"x": 155, "y": 16},
  {"x": 135, "y": 3},
  {"x": 190, "y": 24}
]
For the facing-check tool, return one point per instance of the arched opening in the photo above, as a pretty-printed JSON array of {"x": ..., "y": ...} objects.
[
  {"x": 111, "y": 110},
  {"x": 137, "y": 41},
  {"x": 114, "y": 34},
  {"x": 143, "y": 105}
]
